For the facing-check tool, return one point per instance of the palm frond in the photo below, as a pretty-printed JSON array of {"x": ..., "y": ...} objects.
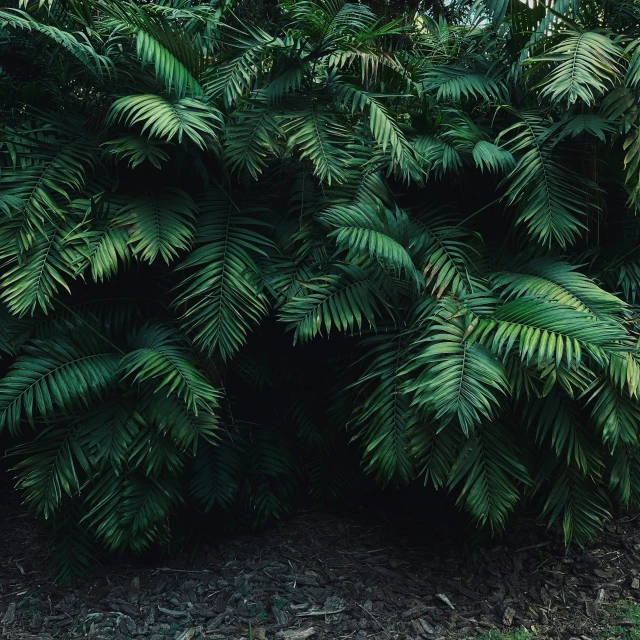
[
  {"x": 159, "y": 225},
  {"x": 490, "y": 475},
  {"x": 220, "y": 298},
  {"x": 588, "y": 62},
  {"x": 454, "y": 378},
  {"x": 159, "y": 354},
  {"x": 53, "y": 376},
  {"x": 169, "y": 119},
  {"x": 346, "y": 300}
]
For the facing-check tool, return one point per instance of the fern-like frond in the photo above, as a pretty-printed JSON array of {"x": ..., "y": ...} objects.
[
  {"x": 220, "y": 295},
  {"x": 494, "y": 158},
  {"x": 54, "y": 466},
  {"x": 76, "y": 44},
  {"x": 160, "y": 225},
  {"x": 588, "y": 62},
  {"x": 451, "y": 377},
  {"x": 455, "y": 83},
  {"x": 559, "y": 281},
  {"x": 346, "y": 300},
  {"x": 551, "y": 333},
  {"x": 581, "y": 505},
  {"x": 251, "y": 136},
  {"x": 490, "y": 474},
  {"x": 383, "y": 413},
  {"x": 56, "y": 376},
  {"x": 378, "y": 233},
  {"x": 548, "y": 195},
  {"x": 216, "y": 476},
  {"x": 128, "y": 512},
  {"x": 169, "y": 119},
  {"x": 159, "y": 354},
  {"x": 320, "y": 137},
  {"x": 137, "y": 150}
]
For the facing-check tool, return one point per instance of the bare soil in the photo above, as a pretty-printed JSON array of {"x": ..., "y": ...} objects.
[{"x": 326, "y": 576}]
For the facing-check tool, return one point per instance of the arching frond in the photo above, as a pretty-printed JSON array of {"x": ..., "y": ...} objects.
[
  {"x": 319, "y": 136},
  {"x": 55, "y": 376},
  {"x": 168, "y": 120},
  {"x": 383, "y": 414},
  {"x": 588, "y": 63},
  {"x": 580, "y": 503},
  {"x": 559, "y": 281},
  {"x": 160, "y": 225},
  {"x": 138, "y": 150},
  {"x": 251, "y": 137},
  {"x": 158, "y": 355},
  {"x": 220, "y": 296},
  {"x": 375, "y": 232},
  {"x": 456, "y": 83},
  {"x": 548, "y": 195},
  {"x": 550, "y": 333},
  {"x": 451, "y": 377},
  {"x": 489, "y": 473},
  {"x": 346, "y": 300},
  {"x": 76, "y": 44}
]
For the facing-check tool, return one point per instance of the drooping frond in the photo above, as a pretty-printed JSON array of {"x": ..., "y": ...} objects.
[
  {"x": 454, "y": 83},
  {"x": 39, "y": 274},
  {"x": 127, "y": 512},
  {"x": 384, "y": 412},
  {"x": 76, "y": 44},
  {"x": 346, "y": 300},
  {"x": 138, "y": 150},
  {"x": 548, "y": 195},
  {"x": 378, "y": 233},
  {"x": 319, "y": 136},
  {"x": 168, "y": 120},
  {"x": 588, "y": 63},
  {"x": 580, "y": 503},
  {"x": 55, "y": 376},
  {"x": 54, "y": 466},
  {"x": 383, "y": 127},
  {"x": 219, "y": 296},
  {"x": 435, "y": 450},
  {"x": 177, "y": 59},
  {"x": 158, "y": 355},
  {"x": 559, "y": 281},
  {"x": 489, "y": 474},
  {"x": 160, "y": 225},
  {"x": 251, "y": 137},
  {"x": 494, "y": 158},
  {"x": 452, "y": 377},
  {"x": 217, "y": 470}
]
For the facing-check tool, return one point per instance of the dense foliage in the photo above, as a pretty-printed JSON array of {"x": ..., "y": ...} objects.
[{"x": 447, "y": 211}]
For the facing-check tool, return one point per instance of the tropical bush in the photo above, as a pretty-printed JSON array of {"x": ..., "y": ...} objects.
[{"x": 446, "y": 210}]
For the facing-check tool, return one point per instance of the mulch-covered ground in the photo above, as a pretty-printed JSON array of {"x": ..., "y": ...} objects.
[{"x": 325, "y": 576}]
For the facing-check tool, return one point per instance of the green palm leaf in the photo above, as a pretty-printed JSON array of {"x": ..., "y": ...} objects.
[
  {"x": 159, "y": 225},
  {"x": 166, "y": 119},
  {"x": 383, "y": 414},
  {"x": 547, "y": 195},
  {"x": 378, "y": 233},
  {"x": 346, "y": 300},
  {"x": 159, "y": 354},
  {"x": 559, "y": 281},
  {"x": 453, "y": 377},
  {"x": 549, "y": 332},
  {"x": 220, "y": 295},
  {"x": 52, "y": 376},
  {"x": 489, "y": 474},
  {"x": 39, "y": 273},
  {"x": 588, "y": 62}
]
